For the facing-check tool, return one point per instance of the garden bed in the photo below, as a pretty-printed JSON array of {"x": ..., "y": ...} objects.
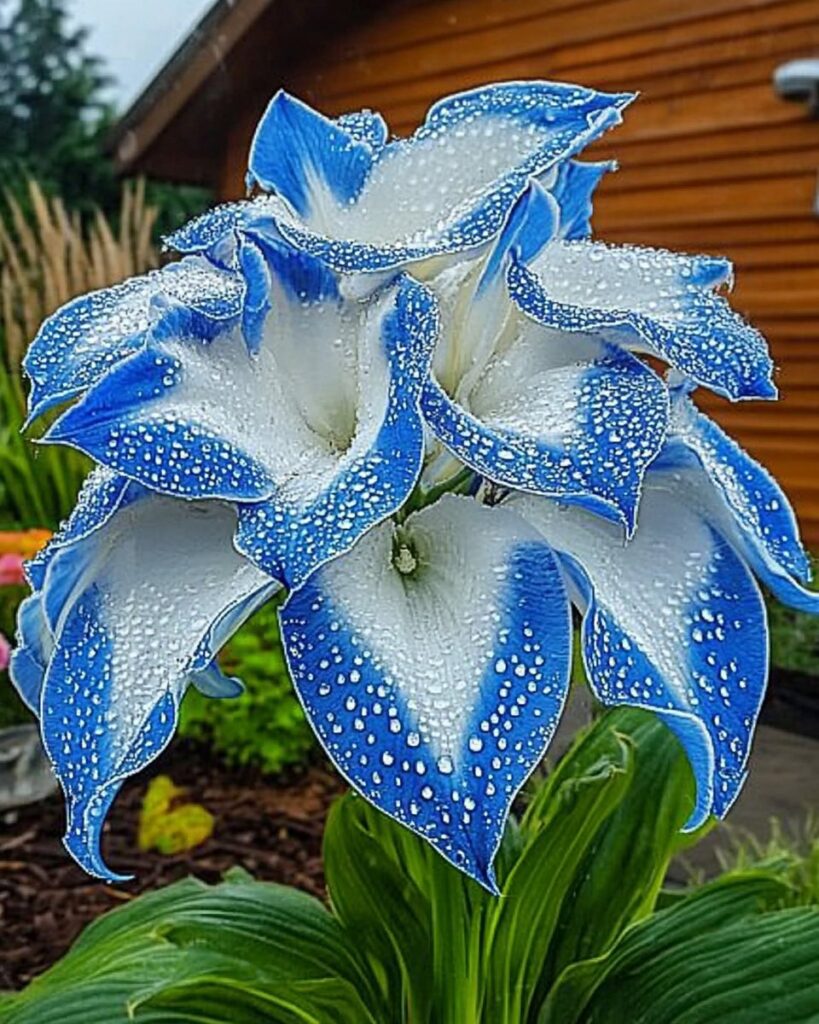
[{"x": 271, "y": 828}]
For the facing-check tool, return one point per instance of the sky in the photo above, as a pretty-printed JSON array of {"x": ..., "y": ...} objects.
[{"x": 135, "y": 37}]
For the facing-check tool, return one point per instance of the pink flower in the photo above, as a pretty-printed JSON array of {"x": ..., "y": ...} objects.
[
  {"x": 5, "y": 653},
  {"x": 11, "y": 570}
]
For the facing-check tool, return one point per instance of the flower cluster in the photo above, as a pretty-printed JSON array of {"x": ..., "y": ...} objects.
[{"x": 404, "y": 383}]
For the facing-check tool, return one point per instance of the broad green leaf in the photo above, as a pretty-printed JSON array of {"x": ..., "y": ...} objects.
[
  {"x": 587, "y": 787},
  {"x": 399, "y": 897},
  {"x": 575, "y": 938},
  {"x": 373, "y": 893},
  {"x": 672, "y": 940},
  {"x": 287, "y": 931},
  {"x": 748, "y": 972},
  {"x": 248, "y": 931},
  {"x": 622, "y": 870},
  {"x": 222, "y": 1000},
  {"x": 277, "y": 929},
  {"x": 126, "y": 974}
]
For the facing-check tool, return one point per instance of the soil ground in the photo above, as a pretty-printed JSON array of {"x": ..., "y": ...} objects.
[{"x": 272, "y": 828}]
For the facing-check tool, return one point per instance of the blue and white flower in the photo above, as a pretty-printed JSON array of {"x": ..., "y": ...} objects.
[
  {"x": 650, "y": 301},
  {"x": 129, "y": 608},
  {"x": 83, "y": 340},
  {"x": 315, "y": 430},
  {"x": 341, "y": 191},
  {"x": 433, "y": 662},
  {"x": 571, "y": 416},
  {"x": 673, "y": 621},
  {"x": 406, "y": 386}
]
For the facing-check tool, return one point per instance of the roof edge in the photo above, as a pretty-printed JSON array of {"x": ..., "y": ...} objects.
[{"x": 196, "y": 58}]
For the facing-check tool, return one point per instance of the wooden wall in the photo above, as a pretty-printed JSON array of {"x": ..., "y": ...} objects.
[{"x": 711, "y": 160}]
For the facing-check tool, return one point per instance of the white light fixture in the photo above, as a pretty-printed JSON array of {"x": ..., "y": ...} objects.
[{"x": 799, "y": 80}]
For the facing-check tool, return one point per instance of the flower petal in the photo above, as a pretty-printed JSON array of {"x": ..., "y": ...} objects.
[
  {"x": 212, "y": 682},
  {"x": 365, "y": 126},
  {"x": 651, "y": 301},
  {"x": 533, "y": 221},
  {"x": 579, "y": 422},
  {"x": 165, "y": 417},
  {"x": 213, "y": 232},
  {"x": 471, "y": 293},
  {"x": 321, "y": 430},
  {"x": 737, "y": 493},
  {"x": 319, "y": 511},
  {"x": 433, "y": 662},
  {"x": 31, "y": 653},
  {"x": 100, "y": 496},
  {"x": 300, "y": 277},
  {"x": 102, "y": 493},
  {"x": 479, "y": 148},
  {"x": 220, "y": 232},
  {"x": 573, "y": 189},
  {"x": 306, "y": 158},
  {"x": 673, "y": 622},
  {"x": 139, "y": 596},
  {"x": 79, "y": 343},
  {"x": 256, "y": 306}
]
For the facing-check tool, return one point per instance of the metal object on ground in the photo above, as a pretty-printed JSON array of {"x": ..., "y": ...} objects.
[{"x": 25, "y": 774}]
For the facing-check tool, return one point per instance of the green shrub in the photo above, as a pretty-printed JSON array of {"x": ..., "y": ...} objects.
[
  {"x": 793, "y": 853},
  {"x": 265, "y": 727},
  {"x": 580, "y": 935},
  {"x": 38, "y": 484},
  {"x": 12, "y": 710}
]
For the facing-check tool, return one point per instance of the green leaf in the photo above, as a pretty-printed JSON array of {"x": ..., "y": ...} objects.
[
  {"x": 369, "y": 872},
  {"x": 683, "y": 943},
  {"x": 620, "y": 875},
  {"x": 276, "y": 938},
  {"x": 575, "y": 938},
  {"x": 421, "y": 922},
  {"x": 221, "y": 1000},
  {"x": 563, "y": 820}
]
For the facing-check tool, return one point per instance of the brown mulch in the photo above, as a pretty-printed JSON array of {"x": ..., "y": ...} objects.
[{"x": 272, "y": 828}]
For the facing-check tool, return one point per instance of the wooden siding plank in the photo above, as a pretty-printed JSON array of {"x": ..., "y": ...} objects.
[
  {"x": 574, "y": 25},
  {"x": 693, "y": 21},
  {"x": 796, "y": 338},
  {"x": 657, "y": 59},
  {"x": 725, "y": 238},
  {"x": 781, "y": 429},
  {"x": 721, "y": 203},
  {"x": 705, "y": 170}
]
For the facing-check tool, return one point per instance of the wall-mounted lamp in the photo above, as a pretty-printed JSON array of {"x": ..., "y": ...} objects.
[{"x": 799, "y": 80}]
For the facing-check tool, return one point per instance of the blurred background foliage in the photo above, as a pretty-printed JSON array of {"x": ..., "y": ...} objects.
[
  {"x": 54, "y": 118},
  {"x": 265, "y": 728}
]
